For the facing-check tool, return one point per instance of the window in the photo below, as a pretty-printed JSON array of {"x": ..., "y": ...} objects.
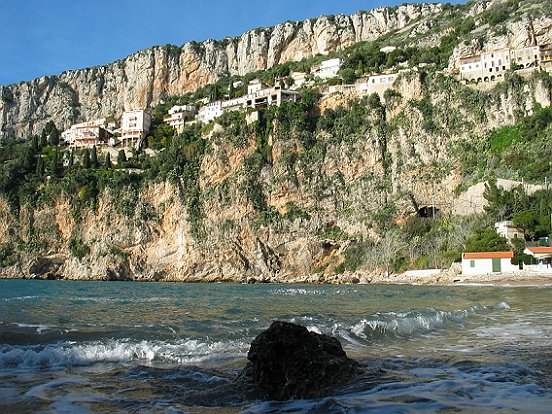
[{"x": 472, "y": 263}]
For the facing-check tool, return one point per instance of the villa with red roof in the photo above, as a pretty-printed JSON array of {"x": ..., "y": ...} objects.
[{"x": 543, "y": 255}]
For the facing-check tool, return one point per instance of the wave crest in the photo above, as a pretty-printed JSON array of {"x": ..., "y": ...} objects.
[
  {"x": 67, "y": 354},
  {"x": 414, "y": 322}
]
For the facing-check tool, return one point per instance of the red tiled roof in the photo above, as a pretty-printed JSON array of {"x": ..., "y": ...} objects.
[
  {"x": 489, "y": 255},
  {"x": 540, "y": 249}
]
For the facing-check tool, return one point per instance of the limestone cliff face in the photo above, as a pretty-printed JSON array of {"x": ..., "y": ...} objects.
[
  {"x": 321, "y": 195},
  {"x": 523, "y": 32},
  {"x": 144, "y": 78}
]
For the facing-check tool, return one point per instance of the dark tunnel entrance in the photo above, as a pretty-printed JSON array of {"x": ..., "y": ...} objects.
[{"x": 428, "y": 212}]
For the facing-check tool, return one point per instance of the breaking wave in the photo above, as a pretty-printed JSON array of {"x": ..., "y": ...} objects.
[
  {"x": 67, "y": 354},
  {"x": 416, "y": 321}
]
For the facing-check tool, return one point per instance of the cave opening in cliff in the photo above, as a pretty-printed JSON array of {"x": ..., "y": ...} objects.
[{"x": 428, "y": 211}]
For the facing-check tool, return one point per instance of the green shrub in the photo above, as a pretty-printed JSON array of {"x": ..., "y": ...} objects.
[{"x": 77, "y": 247}]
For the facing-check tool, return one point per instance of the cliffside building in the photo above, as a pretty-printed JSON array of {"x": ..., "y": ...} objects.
[
  {"x": 179, "y": 115},
  {"x": 209, "y": 112},
  {"x": 492, "y": 65},
  {"x": 261, "y": 96},
  {"x": 258, "y": 96},
  {"x": 88, "y": 134},
  {"x": 134, "y": 127},
  {"x": 376, "y": 83},
  {"x": 327, "y": 68}
]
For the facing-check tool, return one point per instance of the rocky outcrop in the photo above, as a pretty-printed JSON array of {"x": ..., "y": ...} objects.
[
  {"x": 287, "y": 361},
  {"x": 146, "y": 77}
]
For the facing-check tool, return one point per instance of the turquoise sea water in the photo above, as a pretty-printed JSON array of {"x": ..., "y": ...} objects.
[{"x": 87, "y": 347}]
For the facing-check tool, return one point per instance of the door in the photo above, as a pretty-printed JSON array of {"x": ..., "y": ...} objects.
[{"x": 496, "y": 265}]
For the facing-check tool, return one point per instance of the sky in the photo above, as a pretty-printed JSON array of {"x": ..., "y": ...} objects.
[{"x": 47, "y": 37}]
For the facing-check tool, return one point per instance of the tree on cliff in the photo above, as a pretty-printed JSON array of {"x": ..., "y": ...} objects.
[
  {"x": 108, "y": 163},
  {"x": 86, "y": 159},
  {"x": 121, "y": 157},
  {"x": 486, "y": 240},
  {"x": 94, "y": 158},
  {"x": 55, "y": 166},
  {"x": 53, "y": 138}
]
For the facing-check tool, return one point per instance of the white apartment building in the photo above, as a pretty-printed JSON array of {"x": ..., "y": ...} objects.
[
  {"x": 492, "y": 65},
  {"x": 134, "y": 127},
  {"x": 299, "y": 79},
  {"x": 88, "y": 134},
  {"x": 179, "y": 115},
  {"x": 526, "y": 57},
  {"x": 233, "y": 104},
  {"x": 376, "y": 83},
  {"x": 261, "y": 96},
  {"x": 258, "y": 96},
  {"x": 328, "y": 68},
  {"x": 209, "y": 112}
]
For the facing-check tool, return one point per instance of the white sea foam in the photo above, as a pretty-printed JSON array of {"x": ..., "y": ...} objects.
[
  {"x": 31, "y": 297},
  {"x": 412, "y": 322},
  {"x": 118, "y": 351},
  {"x": 312, "y": 292},
  {"x": 439, "y": 389},
  {"x": 39, "y": 328},
  {"x": 297, "y": 292}
]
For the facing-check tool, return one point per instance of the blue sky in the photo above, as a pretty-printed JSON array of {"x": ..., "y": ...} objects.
[{"x": 47, "y": 37}]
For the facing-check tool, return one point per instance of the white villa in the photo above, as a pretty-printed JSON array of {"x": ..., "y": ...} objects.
[
  {"x": 376, "y": 83},
  {"x": 88, "y": 134},
  {"x": 209, "y": 112},
  {"x": 488, "y": 262},
  {"x": 491, "y": 66},
  {"x": 134, "y": 127},
  {"x": 258, "y": 96},
  {"x": 327, "y": 68},
  {"x": 508, "y": 230},
  {"x": 178, "y": 115}
]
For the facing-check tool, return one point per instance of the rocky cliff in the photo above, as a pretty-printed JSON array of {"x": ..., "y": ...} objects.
[
  {"x": 144, "y": 78},
  {"x": 300, "y": 204},
  {"x": 314, "y": 189}
]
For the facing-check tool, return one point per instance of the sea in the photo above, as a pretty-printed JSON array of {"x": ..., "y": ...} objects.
[{"x": 126, "y": 347}]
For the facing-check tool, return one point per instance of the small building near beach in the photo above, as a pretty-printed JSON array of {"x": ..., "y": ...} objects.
[
  {"x": 543, "y": 255},
  {"x": 487, "y": 262}
]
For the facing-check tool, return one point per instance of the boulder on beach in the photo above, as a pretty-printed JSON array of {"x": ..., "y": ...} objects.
[{"x": 287, "y": 361}]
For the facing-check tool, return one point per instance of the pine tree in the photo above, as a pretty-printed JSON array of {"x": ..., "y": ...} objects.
[
  {"x": 86, "y": 159},
  {"x": 121, "y": 157},
  {"x": 40, "y": 167},
  {"x": 53, "y": 139},
  {"x": 71, "y": 161},
  {"x": 43, "y": 139},
  {"x": 55, "y": 167},
  {"x": 35, "y": 144},
  {"x": 94, "y": 158},
  {"x": 108, "y": 163}
]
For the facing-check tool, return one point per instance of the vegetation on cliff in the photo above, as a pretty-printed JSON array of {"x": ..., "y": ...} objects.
[{"x": 325, "y": 185}]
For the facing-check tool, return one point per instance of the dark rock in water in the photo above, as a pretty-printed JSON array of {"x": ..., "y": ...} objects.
[{"x": 287, "y": 361}]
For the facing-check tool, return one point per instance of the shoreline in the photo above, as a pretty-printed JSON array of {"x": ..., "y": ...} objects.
[{"x": 442, "y": 278}]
